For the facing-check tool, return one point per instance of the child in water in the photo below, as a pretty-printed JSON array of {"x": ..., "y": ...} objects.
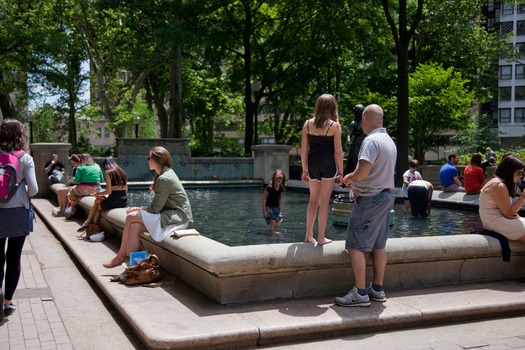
[
  {"x": 410, "y": 175},
  {"x": 272, "y": 199}
]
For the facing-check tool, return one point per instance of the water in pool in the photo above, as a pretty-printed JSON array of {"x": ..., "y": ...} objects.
[{"x": 233, "y": 216}]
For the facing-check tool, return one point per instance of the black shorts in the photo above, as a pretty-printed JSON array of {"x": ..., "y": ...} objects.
[
  {"x": 321, "y": 166},
  {"x": 117, "y": 199}
]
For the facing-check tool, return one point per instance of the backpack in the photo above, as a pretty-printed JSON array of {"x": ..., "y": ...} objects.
[{"x": 8, "y": 172}]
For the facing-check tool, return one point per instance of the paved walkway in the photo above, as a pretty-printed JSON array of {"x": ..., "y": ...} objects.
[
  {"x": 57, "y": 308},
  {"x": 60, "y": 307}
]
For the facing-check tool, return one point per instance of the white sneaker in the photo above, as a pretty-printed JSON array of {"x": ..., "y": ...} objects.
[
  {"x": 353, "y": 298},
  {"x": 97, "y": 237}
]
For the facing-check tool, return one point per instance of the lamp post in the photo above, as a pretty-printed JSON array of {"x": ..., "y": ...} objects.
[
  {"x": 256, "y": 88},
  {"x": 136, "y": 121},
  {"x": 30, "y": 119}
]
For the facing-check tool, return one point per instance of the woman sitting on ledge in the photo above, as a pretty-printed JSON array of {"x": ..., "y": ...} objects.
[
  {"x": 116, "y": 192},
  {"x": 169, "y": 210},
  {"x": 497, "y": 210}
]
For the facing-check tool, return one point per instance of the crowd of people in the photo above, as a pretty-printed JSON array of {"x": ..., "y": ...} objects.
[{"x": 368, "y": 175}]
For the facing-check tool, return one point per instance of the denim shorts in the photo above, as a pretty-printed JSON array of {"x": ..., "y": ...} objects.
[
  {"x": 369, "y": 222},
  {"x": 273, "y": 214}
]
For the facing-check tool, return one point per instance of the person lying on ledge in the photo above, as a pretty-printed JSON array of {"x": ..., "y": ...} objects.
[
  {"x": 169, "y": 209},
  {"x": 498, "y": 205}
]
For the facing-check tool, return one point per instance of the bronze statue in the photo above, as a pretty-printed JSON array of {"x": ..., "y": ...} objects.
[{"x": 355, "y": 138}]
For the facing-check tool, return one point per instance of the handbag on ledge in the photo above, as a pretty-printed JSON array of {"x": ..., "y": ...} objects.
[{"x": 147, "y": 271}]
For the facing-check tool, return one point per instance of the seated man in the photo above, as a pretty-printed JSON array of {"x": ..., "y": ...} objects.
[
  {"x": 54, "y": 170},
  {"x": 490, "y": 159},
  {"x": 448, "y": 175}
]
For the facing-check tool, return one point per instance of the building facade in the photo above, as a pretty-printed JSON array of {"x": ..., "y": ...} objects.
[{"x": 508, "y": 111}]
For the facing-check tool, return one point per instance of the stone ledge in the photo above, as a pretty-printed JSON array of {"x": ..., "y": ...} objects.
[{"x": 262, "y": 272}]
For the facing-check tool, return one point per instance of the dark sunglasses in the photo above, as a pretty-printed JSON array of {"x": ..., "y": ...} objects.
[{"x": 520, "y": 173}]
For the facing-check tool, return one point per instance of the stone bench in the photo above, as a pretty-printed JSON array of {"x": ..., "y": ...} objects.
[{"x": 272, "y": 271}]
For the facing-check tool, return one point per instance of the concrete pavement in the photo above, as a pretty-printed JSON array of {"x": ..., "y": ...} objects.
[
  {"x": 176, "y": 316},
  {"x": 57, "y": 306}
]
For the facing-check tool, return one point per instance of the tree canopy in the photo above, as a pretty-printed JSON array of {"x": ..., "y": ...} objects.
[{"x": 209, "y": 69}]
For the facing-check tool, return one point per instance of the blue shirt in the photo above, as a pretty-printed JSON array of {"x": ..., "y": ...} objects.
[{"x": 447, "y": 174}]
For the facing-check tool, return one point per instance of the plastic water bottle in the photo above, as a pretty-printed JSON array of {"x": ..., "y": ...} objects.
[{"x": 351, "y": 194}]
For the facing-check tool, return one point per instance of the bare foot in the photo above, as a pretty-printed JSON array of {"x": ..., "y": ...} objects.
[
  {"x": 116, "y": 261},
  {"x": 311, "y": 240},
  {"x": 325, "y": 241}
]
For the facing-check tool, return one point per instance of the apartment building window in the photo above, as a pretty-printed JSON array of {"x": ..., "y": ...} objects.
[
  {"x": 521, "y": 8},
  {"x": 506, "y": 27},
  {"x": 519, "y": 115},
  {"x": 505, "y": 93},
  {"x": 521, "y": 49},
  {"x": 505, "y": 72},
  {"x": 508, "y": 8},
  {"x": 504, "y": 115},
  {"x": 519, "y": 93},
  {"x": 520, "y": 71},
  {"x": 520, "y": 28}
]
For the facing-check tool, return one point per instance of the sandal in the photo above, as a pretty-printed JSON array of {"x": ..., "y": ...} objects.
[{"x": 83, "y": 228}]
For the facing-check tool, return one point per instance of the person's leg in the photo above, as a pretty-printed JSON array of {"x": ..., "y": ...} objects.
[
  {"x": 12, "y": 271},
  {"x": 325, "y": 194},
  {"x": 2, "y": 260},
  {"x": 273, "y": 226},
  {"x": 406, "y": 206},
  {"x": 97, "y": 216},
  {"x": 62, "y": 198},
  {"x": 380, "y": 259},
  {"x": 133, "y": 226},
  {"x": 358, "y": 261},
  {"x": 92, "y": 213},
  {"x": 311, "y": 211}
]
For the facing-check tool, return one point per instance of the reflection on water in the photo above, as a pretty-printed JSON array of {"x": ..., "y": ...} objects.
[{"x": 234, "y": 217}]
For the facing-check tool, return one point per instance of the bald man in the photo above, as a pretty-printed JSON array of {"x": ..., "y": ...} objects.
[{"x": 372, "y": 183}]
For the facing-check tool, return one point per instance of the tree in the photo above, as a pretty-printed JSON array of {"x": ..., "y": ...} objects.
[
  {"x": 439, "y": 101},
  {"x": 402, "y": 31},
  {"x": 453, "y": 33},
  {"x": 477, "y": 136}
]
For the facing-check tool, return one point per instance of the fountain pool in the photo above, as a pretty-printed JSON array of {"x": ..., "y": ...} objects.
[{"x": 233, "y": 216}]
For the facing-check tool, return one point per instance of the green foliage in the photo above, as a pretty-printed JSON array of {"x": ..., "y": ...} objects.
[
  {"x": 49, "y": 124},
  {"x": 222, "y": 147},
  {"x": 439, "y": 101},
  {"x": 84, "y": 146},
  {"x": 199, "y": 58},
  {"x": 476, "y": 137}
]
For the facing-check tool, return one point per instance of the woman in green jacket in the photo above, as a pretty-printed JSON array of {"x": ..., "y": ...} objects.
[{"x": 169, "y": 210}]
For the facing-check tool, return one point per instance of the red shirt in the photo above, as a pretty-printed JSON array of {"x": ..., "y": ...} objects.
[{"x": 473, "y": 178}]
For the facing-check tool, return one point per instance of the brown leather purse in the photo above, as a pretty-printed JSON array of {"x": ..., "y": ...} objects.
[{"x": 145, "y": 272}]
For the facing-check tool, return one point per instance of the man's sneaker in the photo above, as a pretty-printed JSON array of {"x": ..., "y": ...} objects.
[
  {"x": 374, "y": 295},
  {"x": 353, "y": 299}
]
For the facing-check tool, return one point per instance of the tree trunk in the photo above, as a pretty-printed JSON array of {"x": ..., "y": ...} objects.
[
  {"x": 175, "y": 110},
  {"x": 250, "y": 110},
  {"x": 402, "y": 115}
]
